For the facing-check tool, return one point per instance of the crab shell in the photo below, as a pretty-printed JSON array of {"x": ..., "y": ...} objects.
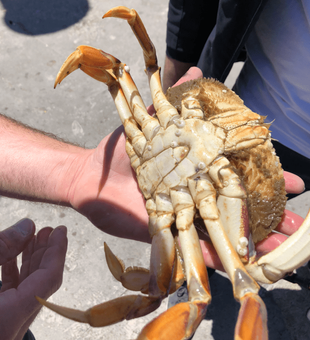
[{"x": 258, "y": 167}]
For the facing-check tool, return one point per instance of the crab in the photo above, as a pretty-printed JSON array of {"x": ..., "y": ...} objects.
[{"x": 204, "y": 160}]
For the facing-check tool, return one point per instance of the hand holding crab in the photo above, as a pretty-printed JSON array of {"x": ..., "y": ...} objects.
[
  {"x": 204, "y": 160},
  {"x": 110, "y": 212}
]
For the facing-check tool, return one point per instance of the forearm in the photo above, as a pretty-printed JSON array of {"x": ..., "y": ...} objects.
[
  {"x": 35, "y": 166},
  {"x": 173, "y": 71}
]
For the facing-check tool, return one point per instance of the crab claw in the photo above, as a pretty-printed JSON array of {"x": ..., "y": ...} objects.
[
  {"x": 110, "y": 312},
  {"x": 132, "y": 278},
  {"x": 138, "y": 29},
  {"x": 86, "y": 58},
  {"x": 178, "y": 322},
  {"x": 252, "y": 320},
  {"x": 122, "y": 12}
]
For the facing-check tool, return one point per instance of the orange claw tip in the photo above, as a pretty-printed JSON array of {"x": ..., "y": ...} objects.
[
  {"x": 252, "y": 319},
  {"x": 177, "y": 323},
  {"x": 120, "y": 12},
  {"x": 171, "y": 324},
  {"x": 89, "y": 57},
  {"x": 71, "y": 64},
  {"x": 73, "y": 314}
]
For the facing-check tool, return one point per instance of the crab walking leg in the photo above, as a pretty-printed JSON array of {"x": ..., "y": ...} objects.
[
  {"x": 137, "y": 278},
  {"x": 110, "y": 312},
  {"x": 149, "y": 125},
  {"x": 132, "y": 278},
  {"x": 181, "y": 321},
  {"x": 232, "y": 205},
  {"x": 131, "y": 129},
  {"x": 244, "y": 287},
  {"x": 290, "y": 254},
  {"x": 138, "y": 29},
  {"x": 164, "y": 110},
  {"x": 195, "y": 269},
  {"x": 163, "y": 253}
]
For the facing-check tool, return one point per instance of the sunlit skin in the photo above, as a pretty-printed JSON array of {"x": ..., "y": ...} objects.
[{"x": 43, "y": 257}]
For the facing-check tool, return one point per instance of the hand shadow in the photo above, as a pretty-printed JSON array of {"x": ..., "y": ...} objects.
[{"x": 41, "y": 17}]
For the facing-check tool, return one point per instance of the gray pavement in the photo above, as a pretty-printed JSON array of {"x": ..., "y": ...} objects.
[{"x": 35, "y": 39}]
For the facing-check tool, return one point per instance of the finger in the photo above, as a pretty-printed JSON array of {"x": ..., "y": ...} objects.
[
  {"x": 13, "y": 240},
  {"x": 39, "y": 248},
  {"x": 26, "y": 260},
  {"x": 10, "y": 275},
  {"x": 293, "y": 183},
  {"x": 272, "y": 241},
  {"x": 290, "y": 223},
  {"x": 48, "y": 277},
  {"x": 192, "y": 73},
  {"x": 210, "y": 256}
]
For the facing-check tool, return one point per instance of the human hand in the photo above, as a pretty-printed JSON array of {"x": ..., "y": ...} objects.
[{"x": 40, "y": 274}]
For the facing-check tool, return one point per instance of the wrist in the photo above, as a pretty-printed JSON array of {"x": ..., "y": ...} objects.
[
  {"x": 67, "y": 174},
  {"x": 33, "y": 165}
]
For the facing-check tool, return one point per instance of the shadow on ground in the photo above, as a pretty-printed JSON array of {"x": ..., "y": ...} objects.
[
  {"x": 286, "y": 308},
  {"x": 41, "y": 17},
  {"x": 224, "y": 311}
]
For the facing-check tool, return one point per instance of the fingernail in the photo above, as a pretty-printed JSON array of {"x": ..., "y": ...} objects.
[
  {"x": 61, "y": 228},
  {"x": 25, "y": 227}
]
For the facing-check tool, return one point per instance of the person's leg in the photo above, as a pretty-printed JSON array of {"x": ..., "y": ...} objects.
[{"x": 29, "y": 336}]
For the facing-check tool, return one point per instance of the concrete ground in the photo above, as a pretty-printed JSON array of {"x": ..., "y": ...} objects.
[{"x": 35, "y": 38}]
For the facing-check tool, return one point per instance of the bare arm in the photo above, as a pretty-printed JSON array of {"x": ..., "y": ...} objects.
[
  {"x": 32, "y": 163},
  {"x": 99, "y": 183}
]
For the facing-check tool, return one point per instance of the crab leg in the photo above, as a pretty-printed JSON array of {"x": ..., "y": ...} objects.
[
  {"x": 164, "y": 110},
  {"x": 133, "y": 306},
  {"x": 110, "y": 312},
  {"x": 291, "y": 254},
  {"x": 181, "y": 321},
  {"x": 163, "y": 257},
  {"x": 138, "y": 29},
  {"x": 132, "y": 278},
  {"x": 244, "y": 287}
]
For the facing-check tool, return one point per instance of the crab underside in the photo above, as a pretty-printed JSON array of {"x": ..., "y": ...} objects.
[{"x": 205, "y": 157}]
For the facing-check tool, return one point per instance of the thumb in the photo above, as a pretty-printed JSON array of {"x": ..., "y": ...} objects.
[
  {"x": 14, "y": 239},
  {"x": 192, "y": 73}
]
